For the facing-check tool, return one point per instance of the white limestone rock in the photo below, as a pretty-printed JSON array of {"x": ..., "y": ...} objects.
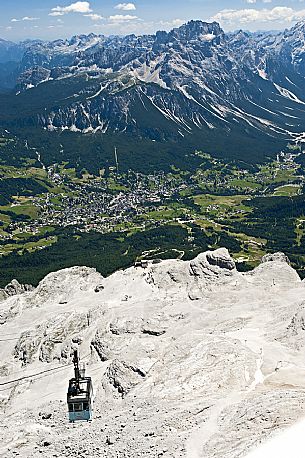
[
  {"x": 13, "y": 288},
  {"x": 213, "y": 264},
  {"x": 199, "y": 361},
  {"x": 65, "y": 284},
  {"x": 278, "y": 257},
  {"x": 275, "y": 269},
  {"x": 122, "y": 377}
]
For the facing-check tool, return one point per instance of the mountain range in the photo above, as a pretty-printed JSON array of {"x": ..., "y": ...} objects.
[{"x": 240, "y": 94}]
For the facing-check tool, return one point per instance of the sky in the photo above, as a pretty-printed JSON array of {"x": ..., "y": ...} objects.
[{"x": 52, "y": 19}]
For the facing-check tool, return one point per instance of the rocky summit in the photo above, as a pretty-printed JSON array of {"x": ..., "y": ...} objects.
[{"x": 188, "y": 358}]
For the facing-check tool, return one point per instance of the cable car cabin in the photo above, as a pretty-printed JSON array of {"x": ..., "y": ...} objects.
[
  {"x": 79, "y": 399},
  {"x": 80, "y": 394}
]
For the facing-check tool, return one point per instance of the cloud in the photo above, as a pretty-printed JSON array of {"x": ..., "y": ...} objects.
[
  {"x": 94, "y": 17},
  {"x": 126, "y": 6},
  {"x": 245, "y": 16},
  {"x": 56, "y": 13},
  {"x": 78, "y": 7},
  {"x": 25, "y": 18},
  {"x": 173, "y": 23},
  {"x": 118, "y": 18}
]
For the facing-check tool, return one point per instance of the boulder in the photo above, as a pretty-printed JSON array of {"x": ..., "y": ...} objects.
[
  {"x": 14, "y": 287},
  {"x": 213, "y": 263},
  {"x": 122, "y": 377}
]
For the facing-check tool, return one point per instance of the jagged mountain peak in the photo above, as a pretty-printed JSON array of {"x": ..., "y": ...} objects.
[
  {"x": 82, "y": 37},
  {"x": 300, "y": 26},
  {"x": 196, "y": 30}
]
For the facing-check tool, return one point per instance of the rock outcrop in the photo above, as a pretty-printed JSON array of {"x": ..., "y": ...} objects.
[
  {"x": 188, "y": 359},
  {"x": 277, "y": 257},
  {"x": 211, "y": 264},
  {"x": 13, "y": 288}
]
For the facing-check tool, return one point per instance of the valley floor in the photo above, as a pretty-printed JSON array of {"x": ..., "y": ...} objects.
[{"x": 53, "y": 217}]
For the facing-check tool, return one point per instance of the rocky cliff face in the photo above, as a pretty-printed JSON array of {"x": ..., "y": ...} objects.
[
  {"x": 189, "y": 359},
  {"x": 11, "y": 52}
]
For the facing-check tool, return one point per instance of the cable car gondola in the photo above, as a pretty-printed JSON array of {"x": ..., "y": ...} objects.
[{"x": 80, "y": 393}]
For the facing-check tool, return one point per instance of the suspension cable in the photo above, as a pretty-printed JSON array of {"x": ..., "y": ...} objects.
[{"x": 26, "y": 377}]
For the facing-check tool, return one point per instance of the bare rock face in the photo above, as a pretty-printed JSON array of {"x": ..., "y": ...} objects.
[
  {"x": 169, "y": 276},
  {"x": 14, "y": 288},
  {"x": 65, "y": 284},
  {"x": 293, "y": 335},
  {"x": 275, "y": 269},
  {"x": 124, "y": 326},
  {"x": 103, "y": 344},
  {"x": 3, "y": 295},
  {"x": 153, "y": 327},
  {"x": 51, "y": 340},
  {"x": 216, "y": 263},
  {"x": 57, "y": 287},
  {"x": 123, "y": 333},
  {"x": 27, "y": 346},
  {"x": 277, "y": 257},
  {"x": 220, "y": 258},
  {"x": 122, "y": 377},
  {"x": 196, "y": 276},
  {"x": 199, "y": 360},
  {"x": 248, "y": 421}
]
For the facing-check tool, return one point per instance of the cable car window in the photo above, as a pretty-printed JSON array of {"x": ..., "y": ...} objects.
[
  {"x": 86, "y": 406},
  {"x": 70, "y": 407},
  {"x": 72, "y": 390},
  {"x": 78, "y": 407}
]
